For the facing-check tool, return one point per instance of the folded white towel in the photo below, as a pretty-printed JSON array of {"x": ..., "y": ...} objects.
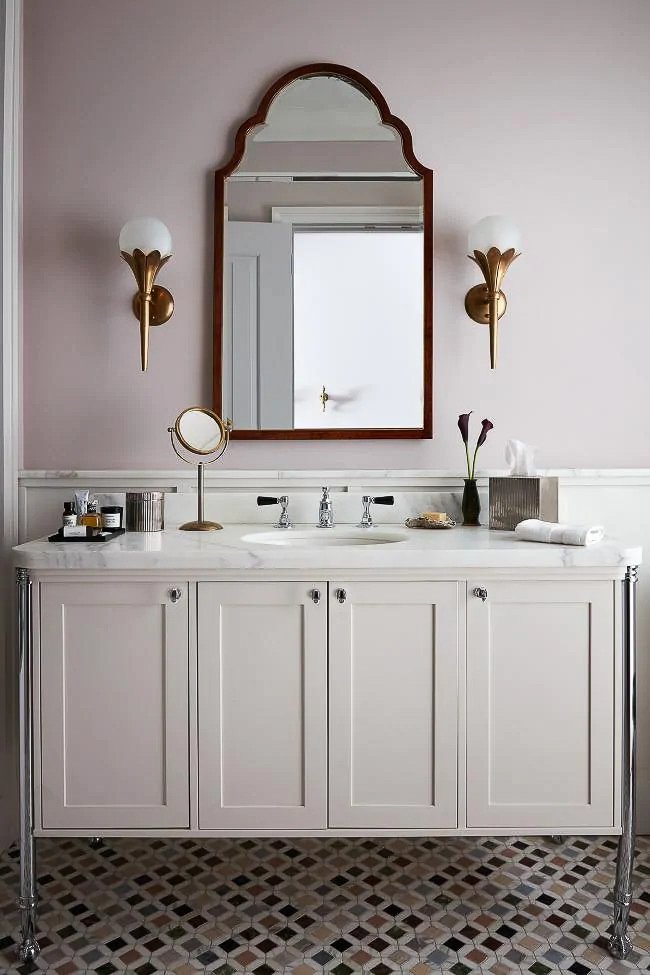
[{"x": 534, "y": 530}]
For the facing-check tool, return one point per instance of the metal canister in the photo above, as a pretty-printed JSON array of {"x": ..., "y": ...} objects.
[{"x": 145, "y": 511}]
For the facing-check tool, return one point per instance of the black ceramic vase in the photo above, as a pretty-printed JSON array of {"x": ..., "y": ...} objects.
[{"x": 471, "y": 503}]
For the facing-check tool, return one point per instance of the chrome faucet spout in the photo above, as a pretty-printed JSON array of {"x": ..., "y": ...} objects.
[{"x": 325, "y": 510}]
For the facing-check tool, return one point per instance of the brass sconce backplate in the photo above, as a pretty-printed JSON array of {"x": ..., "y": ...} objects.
[
  {"x": 477, "y": 304},
  {"x": 161, "y": 306}
]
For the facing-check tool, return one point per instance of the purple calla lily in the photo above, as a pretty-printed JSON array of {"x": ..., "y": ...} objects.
[
  {"x": 463, "y": 425},
  {"x": 486, "y": 426}
]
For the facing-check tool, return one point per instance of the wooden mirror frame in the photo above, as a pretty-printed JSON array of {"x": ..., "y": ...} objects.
[{"x": 259, "y": 118}]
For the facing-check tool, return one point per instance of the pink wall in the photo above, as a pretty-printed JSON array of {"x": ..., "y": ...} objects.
[{"x": 537, "y": 110}]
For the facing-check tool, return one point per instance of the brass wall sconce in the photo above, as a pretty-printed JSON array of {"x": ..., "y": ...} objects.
[
  {"x": 494, "y": 245},
  {"x": 146, "y": 245}
]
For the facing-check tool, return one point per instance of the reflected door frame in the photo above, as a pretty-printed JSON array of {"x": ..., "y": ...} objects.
[{"x": 387, "y": 118}]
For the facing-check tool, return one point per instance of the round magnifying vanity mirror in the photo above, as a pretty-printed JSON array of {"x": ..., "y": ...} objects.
[
  {"x": 200, "y": 430},
  {"x": 203, "y": 432}
]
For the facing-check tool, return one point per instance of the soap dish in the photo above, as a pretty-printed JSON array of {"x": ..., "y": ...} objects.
[
  {"x": 106, "y": 536},
  {"x": 425, "y": 523}
]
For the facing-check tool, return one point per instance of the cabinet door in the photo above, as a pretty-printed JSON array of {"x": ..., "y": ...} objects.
[
  {"x": 262, "y": 705},
  {"x": 114, "y": 705},
  {"x": 393, "y": 704},
  {"x": 540, "y": 705}
]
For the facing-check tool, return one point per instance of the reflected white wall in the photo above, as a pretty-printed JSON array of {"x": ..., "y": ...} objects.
[{"x": 358, "y": 328}]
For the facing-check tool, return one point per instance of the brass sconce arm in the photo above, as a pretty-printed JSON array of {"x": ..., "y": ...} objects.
[
  {"x": 152, "y": 305},
  {"x": 486, "y": 303},
  {"x": 493, "y": 245}
]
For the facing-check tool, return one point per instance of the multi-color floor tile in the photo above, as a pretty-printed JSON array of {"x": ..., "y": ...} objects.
[{"x": 339, "y": 906}]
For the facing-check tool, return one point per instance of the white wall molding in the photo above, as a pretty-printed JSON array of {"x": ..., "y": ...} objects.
[
  {"x": 637, "y": 477},
  {"x": 182, "y": 478}
]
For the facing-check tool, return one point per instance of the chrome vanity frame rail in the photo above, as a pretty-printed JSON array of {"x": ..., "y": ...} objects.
[
  {"x": 620, "y": 944},
  {"x": 29, "y": 948}
]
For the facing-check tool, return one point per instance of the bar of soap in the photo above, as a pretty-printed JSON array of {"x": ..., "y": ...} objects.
[{"x": 435, "y": 516}]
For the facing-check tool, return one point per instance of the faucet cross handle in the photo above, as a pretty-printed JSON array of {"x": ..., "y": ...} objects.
[{"x": 367, "y": 500}]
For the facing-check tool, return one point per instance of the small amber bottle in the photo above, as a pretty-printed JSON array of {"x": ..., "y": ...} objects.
[{"x": 91, "y": 520}]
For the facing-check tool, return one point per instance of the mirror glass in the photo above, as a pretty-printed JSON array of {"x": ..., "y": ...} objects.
[
  {"x": 324, "y": 270},
  {"x": 200, "y": 430}
]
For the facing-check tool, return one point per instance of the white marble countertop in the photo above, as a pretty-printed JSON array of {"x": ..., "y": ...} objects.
[{"x": 457, "y": 548}]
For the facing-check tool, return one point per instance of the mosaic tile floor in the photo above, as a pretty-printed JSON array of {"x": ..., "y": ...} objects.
[{"x": 338, "y": 905}]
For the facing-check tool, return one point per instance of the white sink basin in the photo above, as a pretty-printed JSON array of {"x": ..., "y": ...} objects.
[{"x": 324, "y": 537}]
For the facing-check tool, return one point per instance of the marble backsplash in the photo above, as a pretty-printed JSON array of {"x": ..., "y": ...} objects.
[{"x": 230, "y": 507}]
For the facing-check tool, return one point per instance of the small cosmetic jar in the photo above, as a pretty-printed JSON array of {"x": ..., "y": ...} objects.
[
  {"x": 145, "y": 511},
  {"x": 112, "y": 516}
]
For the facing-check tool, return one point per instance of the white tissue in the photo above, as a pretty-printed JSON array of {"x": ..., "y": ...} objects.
[{"x": 520, "y": 458}]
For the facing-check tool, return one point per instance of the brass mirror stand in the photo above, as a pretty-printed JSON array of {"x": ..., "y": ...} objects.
[{"x": 178, "y": 433}]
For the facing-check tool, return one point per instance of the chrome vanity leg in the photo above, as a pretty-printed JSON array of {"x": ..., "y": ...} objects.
[
  {"x": 29, "y": 947},
  {"x": 95, "y": 842},
  {"x": 619, "y": 943},
  {"x": 557, "y": 840}
]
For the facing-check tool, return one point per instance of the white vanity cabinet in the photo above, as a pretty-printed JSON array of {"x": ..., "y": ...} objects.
[
  {"x": 262, "y": 705},
  {"x": 482, "y": 704},
  {"x": 113, "y": 705},
  {"x": 393, "y": 695},
  {"x": 542, "y": 683}
]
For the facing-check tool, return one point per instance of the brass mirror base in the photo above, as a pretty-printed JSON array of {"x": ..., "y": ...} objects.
[
  {"x": 477, "y": 305},
  {"x": 161, "y": 305},
  {"x": 200, "y": 526}
]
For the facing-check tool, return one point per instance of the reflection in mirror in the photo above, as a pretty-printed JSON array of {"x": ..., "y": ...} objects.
[{"x": 326, "y": 318}]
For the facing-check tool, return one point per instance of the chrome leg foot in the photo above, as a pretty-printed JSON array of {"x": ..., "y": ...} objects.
[
  {"x": 619, "y": 943},
  {"x": 620, "y": 946},
  {"x": 95, "y": 842},
  {"x": 29, "y": 948},
  {"x": 557, "y": 840}
]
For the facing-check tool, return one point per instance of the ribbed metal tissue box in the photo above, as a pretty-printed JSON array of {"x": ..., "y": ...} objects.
[
  {"x": 145, "y": 511},
  {"x": 512, "y": 499}
]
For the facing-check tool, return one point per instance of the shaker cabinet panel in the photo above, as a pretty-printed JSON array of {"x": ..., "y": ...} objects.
[
  {"x": 262, "y": 705},
  {"x": 394, "y": 649},
  {"x": 114, "y": 705},
  {"x": 540, "y": 704}
]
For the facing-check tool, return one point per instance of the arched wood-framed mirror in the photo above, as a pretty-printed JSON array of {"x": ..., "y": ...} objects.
[{"x": 323, "y": 272}]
